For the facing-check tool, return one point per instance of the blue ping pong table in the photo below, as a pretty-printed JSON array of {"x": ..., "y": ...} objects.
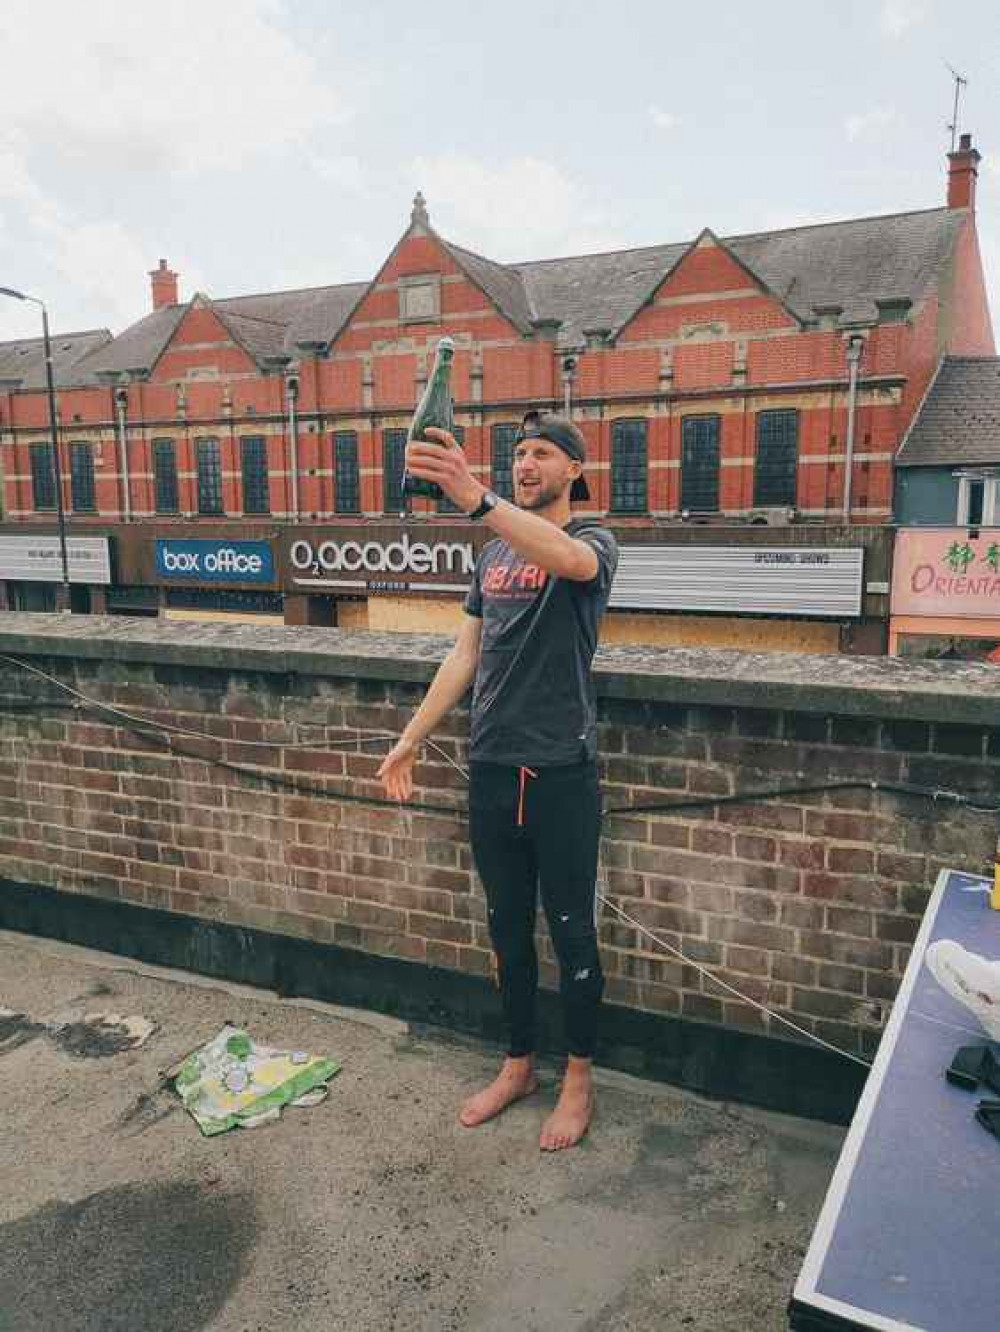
[{"x": 909, "y": 1235}]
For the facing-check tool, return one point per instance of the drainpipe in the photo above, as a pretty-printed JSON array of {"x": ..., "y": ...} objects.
[
  {"x": 568, "y": 371},
  {"x": 121, "y": 405},
  {"x": 292, "y": 391},
  {"x": 855, "y": 346}
]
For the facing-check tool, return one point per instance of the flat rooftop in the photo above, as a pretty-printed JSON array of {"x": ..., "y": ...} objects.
[{"x": 374, "y": 1210}]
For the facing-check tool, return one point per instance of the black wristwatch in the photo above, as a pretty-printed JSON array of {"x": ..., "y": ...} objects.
[{"x": 486, "y": 504}]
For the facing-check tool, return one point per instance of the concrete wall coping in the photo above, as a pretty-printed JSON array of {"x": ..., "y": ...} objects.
[{"x": 882, "y": 687}]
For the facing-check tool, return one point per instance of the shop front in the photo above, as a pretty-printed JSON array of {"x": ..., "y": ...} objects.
[
  {"x": 731, "y": 588},
  {"x": 407, "y": 577},
  {"x": 206, "y": 579},
  {"x": 788, "y": 589},
  {"x": 761, "y": 598},
  {"x": 192, "y": 572},
  {"x": 31, "y": 571},
  {"x": 946, "y": 594}
]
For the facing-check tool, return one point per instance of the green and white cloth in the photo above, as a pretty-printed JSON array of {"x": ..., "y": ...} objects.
[{"x": 232, "y": 1082}]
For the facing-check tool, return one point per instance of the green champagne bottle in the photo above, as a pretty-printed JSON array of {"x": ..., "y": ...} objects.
[{"x": 434, "y": 409}]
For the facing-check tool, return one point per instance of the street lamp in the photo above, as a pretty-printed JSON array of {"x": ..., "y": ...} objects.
[{"x": 64, "y": 597}]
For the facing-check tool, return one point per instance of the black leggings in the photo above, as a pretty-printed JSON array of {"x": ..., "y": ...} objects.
[{"x": 534, "y": 828}]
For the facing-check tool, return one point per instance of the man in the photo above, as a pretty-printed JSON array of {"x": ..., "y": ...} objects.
[{"x": 527, "y": 643}]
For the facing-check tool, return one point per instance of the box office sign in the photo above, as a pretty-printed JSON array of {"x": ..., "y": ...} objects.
[
  {"x": 397, "y": 563},
  {"x": 947, "y": 572},
  {"x": 215, "y": 561},
  {"x": 746, "y": 580},
  {"x": 38, "y": 559}
]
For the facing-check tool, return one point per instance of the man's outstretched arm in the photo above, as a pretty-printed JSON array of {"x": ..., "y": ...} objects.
[
  {"x": 543, "y": 544},
  {"x": 449, "y": 686},
  {"x": 532, "y": 537}
]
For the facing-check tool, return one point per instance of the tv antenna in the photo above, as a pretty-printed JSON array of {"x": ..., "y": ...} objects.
[{"x": 960, "y": 82}]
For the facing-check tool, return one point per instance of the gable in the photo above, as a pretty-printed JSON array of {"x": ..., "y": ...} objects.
[
  {"x": 708, "y": 293},
  {"x": 202, "y": 347},
  {"x": 422, "y": 291}
]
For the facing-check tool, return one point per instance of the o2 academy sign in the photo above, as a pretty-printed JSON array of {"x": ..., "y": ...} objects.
[{"x": 397, "y": 564}]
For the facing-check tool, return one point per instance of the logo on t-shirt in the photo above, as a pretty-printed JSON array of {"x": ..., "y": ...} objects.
[{"x": 518, "y": 580}]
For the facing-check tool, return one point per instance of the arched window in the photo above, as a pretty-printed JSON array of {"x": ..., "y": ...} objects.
[
  {"x": 256, "y": 492},
  {"x": 444, "y": 504},
  {"x": 43, "y": 476},
  {"x": 346, "y": 474},
  {"x": 209, "y": 468},
  {"x": 165, "y": 476},
  {"x": 776, "y": 468},
  {"x": 393, "y": 456},
  {"x": 700, "y": 463},
  {"x": 81, "y": 475},
  {"x": 629, "y": 467},
  {"x": 502, "y": 460}
]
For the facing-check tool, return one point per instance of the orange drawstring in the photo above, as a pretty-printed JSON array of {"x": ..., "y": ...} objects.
[{"x": 523, "y": 775}]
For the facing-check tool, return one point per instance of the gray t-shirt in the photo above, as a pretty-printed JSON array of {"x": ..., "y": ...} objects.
[{"x": 533, "y": 699}]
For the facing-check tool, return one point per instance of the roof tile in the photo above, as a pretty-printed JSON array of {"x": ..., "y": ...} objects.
[
  {"x": 850, "y": 265},
  {"x": 959, "y": 419},
  {"x": 23, "y": 360}
]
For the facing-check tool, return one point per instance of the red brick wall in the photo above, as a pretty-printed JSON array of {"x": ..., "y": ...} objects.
[
  {"x": 807, "y": 903},
  {"x": 923, "y": 355},
  {"x": 971, "y": 331},
  {"x": 784, "y": 366},
  {"x": 798, "y": 356},
  {"x": 202, "y": 341}
]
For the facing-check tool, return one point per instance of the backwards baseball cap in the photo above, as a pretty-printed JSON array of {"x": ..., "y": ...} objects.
[{"x": 561, "y": 431}]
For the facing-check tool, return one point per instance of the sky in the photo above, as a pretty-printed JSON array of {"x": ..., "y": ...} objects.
[{"x": 260, "y": 145}]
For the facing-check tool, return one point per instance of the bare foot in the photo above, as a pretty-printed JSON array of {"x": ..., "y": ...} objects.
[
  {"x": 570, "y": 1120},
  {"x": 515, "y": 1080}
]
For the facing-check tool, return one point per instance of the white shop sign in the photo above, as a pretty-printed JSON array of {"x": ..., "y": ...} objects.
[
  {"x": 37, "y": 559},
  {"x": 744, "y": 580},
  {"x": 382, "y": 565}
]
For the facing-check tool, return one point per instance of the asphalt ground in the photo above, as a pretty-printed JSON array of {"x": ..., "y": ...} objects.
[{"x": 374, "y": 1210}]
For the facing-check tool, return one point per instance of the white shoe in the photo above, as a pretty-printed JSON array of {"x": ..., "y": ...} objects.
[{"x": 973, "y": 980}]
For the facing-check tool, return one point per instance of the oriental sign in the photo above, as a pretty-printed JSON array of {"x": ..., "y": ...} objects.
[{"x": 947, "y": 572}]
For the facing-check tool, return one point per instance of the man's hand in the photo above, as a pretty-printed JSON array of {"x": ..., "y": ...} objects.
[
  {"x": 445, "y": 463},
  {"x": 396, "y": 772},
  {"x": 449, "y": 686}
]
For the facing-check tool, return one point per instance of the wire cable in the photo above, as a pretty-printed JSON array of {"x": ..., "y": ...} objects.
[
  {"x": 148, "y": 726},
  {"x": 717, "y": 980},
  {"x": 147, "y": 723},
  {"x": 654, "y": 807},
  {"x": 724, "y": 985}
]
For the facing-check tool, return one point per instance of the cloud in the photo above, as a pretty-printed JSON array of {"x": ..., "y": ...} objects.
[
  {"x": 896, "y": 16},
  {"x": 344, "y": 171},
  {"x": 866, "y": 124},
  {"x": 189, "y": 86},
  {"x": 520, "y": 209},
  {"x": 137, "y": 97},
  {"x": 664, "y": 120},
  {"x": 78, "y": 264}
]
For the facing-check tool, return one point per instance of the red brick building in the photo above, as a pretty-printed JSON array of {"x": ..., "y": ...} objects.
[{"x": 723, "y": 384}]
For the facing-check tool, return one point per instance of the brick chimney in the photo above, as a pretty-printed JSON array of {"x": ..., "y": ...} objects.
[
  {"x": 963, "y": 168},
  {"x": 164, "y": 283}
]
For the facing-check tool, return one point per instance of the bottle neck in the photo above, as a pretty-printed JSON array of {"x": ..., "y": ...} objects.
[{"x": 441, "y": 373}]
